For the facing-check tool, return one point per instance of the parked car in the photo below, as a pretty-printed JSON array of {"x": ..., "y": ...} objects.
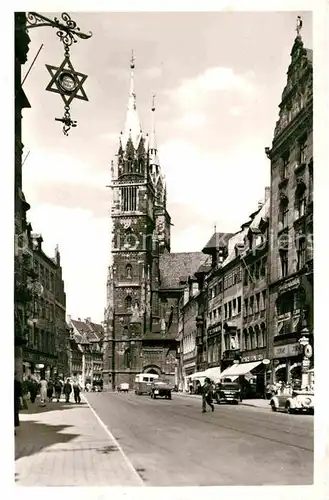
[
  {"x": 161, "y": 388},
  {"x": 297, "y": 402},
  {"x": 227, "y": 392}
]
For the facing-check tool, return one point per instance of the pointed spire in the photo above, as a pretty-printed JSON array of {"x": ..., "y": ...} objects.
[
  {"x": 152, "y": 145},
  {"x": 299, "y": 26},
  {"x": 132, "y": 126}
]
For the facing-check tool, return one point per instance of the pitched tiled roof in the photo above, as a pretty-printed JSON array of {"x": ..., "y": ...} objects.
[
  {"x": 173, "y": 266},
  {"x": 84, "y": 334},
  {"x": 237, "y": 239},
  {"x": 218, "y": 240},
  {"x": 97, "y": 329}
]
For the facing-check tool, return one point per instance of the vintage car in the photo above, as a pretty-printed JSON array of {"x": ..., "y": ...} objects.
[
  {"x": 123, "y": 387},
  {"x": 296, "y": 402},
  {"x": 227, "y": 392},
  {"x": 161, "y": 388}
]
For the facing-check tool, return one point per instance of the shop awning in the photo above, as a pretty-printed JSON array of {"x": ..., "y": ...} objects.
[
  {"x": 213, "y": 373},
  {"x": 240, "y": 369},
  {"x": 197, "y": 375}
]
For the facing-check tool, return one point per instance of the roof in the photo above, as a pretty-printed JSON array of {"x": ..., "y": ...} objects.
[
  {"x": 218, "y": 240},
  {"x": 262, "y": 214},
  {"x": 97, "y": 328},
  {"x": 85, "y": 332},
  {"x": 235, "y": 240},
  {"x": 175, "y": 265}
]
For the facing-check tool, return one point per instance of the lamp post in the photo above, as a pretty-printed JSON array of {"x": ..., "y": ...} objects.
[{"x": 307, "y": 353}]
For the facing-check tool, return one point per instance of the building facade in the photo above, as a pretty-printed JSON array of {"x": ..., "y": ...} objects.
[
  {"x": 290, "y": 310},
  {"x": 45, "y": 352},
  {"x": 22, "y": 258},
  {"x": 86, "y": 353},
  {"x": 145, "y": 279}
]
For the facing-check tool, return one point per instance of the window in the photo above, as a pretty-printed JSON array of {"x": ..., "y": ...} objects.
[
  {"x": 128, "y": 271},
  {"x": 301, "y": 252},
  {"x": 234, "y": 307},
  {"x": 230, "y": 309},
  {"x": 251, "y": 305},
  {"x": 215, "y": 313},
  {"x": 245, "y": 311},
  {"x": 257, "y": 305},
  {"x": 239, "y": 305},
  {"x": 219, "y": 310},
  {"x": 302, "y": 151},
  {"x": 246, "y": 339},
  {"x": 210, "y": 316},
  {"x": 283, "y": 214},
  {"x": 284, "y": 262},
  {"x": 264, "y": 299},
  {"x": 245, "y": 278},
  {"x": 284, "y": 166},
  {"x": 252, "y": 338},
  {"x": 237, "y": 276},
  {"x": 300, "y": 201},
  {"x": 128, "y": 301},
  {"x": 297, "y": 300},
  {"x": 259, "y": 342},
  {"x": 129, "y": 198},
  {"x": 225, "y": 311}
]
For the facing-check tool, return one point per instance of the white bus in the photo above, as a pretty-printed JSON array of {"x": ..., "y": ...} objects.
[{"x": 143, "y": 382}]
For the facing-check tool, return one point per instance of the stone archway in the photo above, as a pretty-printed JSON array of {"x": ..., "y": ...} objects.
[{"x": 152, "y": 369}]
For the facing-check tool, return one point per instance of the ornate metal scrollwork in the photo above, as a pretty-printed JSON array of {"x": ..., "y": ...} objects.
[{"x": 66, "y": 32}]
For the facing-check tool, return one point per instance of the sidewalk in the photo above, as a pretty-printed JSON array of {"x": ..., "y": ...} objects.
[
  {"x": 65, "y": 445},
  {"x": 257, "y": 403}
]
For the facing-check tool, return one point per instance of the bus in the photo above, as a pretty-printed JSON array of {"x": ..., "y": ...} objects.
[{"x": 143, "y": 382}]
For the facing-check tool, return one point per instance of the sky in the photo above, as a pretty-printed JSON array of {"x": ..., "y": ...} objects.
[{"x": 218, "y": 79}]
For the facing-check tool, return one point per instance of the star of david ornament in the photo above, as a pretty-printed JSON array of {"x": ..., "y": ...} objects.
[{"x": 68, "y": 83}]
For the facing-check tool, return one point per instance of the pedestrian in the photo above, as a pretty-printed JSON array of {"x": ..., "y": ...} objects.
[
  {"x": 33, "y": 388},
  {"x": 207, "y": 393},
  {"x": 191, "y": 388},
  {"x": 17, "y": 399},
  {"x": 67, "y": 389},
  {"x": 76, "y": 391},
  {"x": 58, "y": 389},
  {"x": 43, "y": 391},
  {"x": 50, "y": 390}
]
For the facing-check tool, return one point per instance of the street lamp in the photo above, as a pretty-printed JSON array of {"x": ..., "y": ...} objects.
[{"x": 307, "y": 353}]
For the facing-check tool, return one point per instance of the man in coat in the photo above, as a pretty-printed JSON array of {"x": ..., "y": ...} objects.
[
  {"x": 67, "y": 389},
  {"x": 207, "y": 393}
]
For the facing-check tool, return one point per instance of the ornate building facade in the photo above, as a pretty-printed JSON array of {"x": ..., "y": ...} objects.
[
  {"x": 290, "y": 310},
  {"x": 145, "y": 280}
]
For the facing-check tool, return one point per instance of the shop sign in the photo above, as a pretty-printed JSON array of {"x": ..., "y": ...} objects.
[
  {"x": 255, "y": 357},
  {"x": 289, "y": 285},
  {"x": 285, "y": 351}
]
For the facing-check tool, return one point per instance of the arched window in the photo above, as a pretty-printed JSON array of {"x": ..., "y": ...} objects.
[
  {"x": 283, "y": 213},
  {"x": 258, "y": 338},
  {"x": 252, "y": 337},
  {"x": 246, "y": 339},
  {"x": 128, "y": 301},
  {"x": 300, "y": 201},
  {"x": 128, "y": 271},
  {"x": 263, "y": 334}
]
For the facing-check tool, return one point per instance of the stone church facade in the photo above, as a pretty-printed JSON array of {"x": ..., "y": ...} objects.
[{"x": 145, "y": 279}]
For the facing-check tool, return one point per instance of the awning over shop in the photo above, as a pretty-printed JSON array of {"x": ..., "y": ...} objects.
[
  {"x": 197, "y": 375},
  {"x": 240, "y": 369},
  {"x": 213, "y": 373}
]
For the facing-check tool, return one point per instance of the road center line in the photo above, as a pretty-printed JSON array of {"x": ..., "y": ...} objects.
[{"x": 109, "y": 433}]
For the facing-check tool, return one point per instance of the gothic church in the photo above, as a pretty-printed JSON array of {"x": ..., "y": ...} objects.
[{"x": 145, "y": 280}]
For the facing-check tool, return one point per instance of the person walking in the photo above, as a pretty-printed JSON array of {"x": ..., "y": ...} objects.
[
  {"x": 17, "y": 399},
  {"x": 76, "y": 390},
  {"x": 207, "y": 393},
  {"x": 33, "y": 388},
  {"x": 43, "y": 391},
  {"x": 50, "y": 391},
  {"x": 67, "y": 389},
  {"x": 58, "y": 389}
]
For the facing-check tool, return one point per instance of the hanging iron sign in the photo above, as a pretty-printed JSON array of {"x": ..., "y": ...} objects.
[{"x": 64, "y": 79}]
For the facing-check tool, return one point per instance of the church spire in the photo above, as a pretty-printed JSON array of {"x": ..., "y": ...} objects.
[
  {"x": 132, "y": 127},
  {"x": 153, "y": 150}
]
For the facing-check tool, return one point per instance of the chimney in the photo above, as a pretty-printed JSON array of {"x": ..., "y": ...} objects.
[{"x": 267, "y": 193}]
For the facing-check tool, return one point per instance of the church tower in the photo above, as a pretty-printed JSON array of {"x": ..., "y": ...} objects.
[{"x": 140, "y": 230}]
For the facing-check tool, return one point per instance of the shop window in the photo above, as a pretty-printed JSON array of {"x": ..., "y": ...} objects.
[{"x": 284, "y": 262}]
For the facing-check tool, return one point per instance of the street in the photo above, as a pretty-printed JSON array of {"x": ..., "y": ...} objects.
[{"x": 171, "y": 443}]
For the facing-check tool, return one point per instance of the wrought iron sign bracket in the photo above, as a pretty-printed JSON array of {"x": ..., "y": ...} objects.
[{"x": 64, "y": 79}]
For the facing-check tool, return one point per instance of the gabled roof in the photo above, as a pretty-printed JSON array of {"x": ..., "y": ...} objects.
[
  {"x": 263, "y": 213},
  {"x": 97, "y": 329},
  {"x": 218, "y": 240},
  {"x": 174, "y": 266},
  {"x": 84, "y": 333},
  {"x": 236, "y": 239}
]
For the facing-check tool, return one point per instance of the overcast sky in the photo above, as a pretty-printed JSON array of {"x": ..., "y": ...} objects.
[{"x": 218, "y": 78}]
